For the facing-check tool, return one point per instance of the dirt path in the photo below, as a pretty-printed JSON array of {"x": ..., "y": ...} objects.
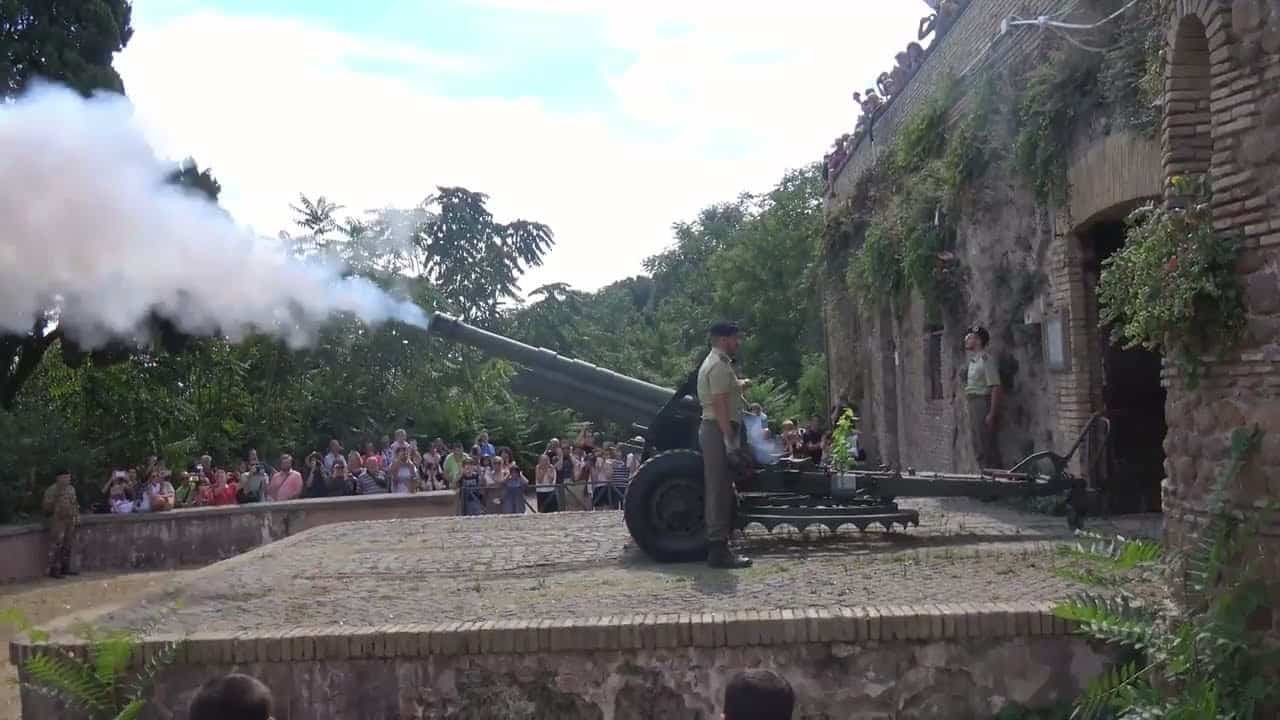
[{"x": 43, "y": 600}]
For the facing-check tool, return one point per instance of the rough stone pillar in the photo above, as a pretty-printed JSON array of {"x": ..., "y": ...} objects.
[{"x": 1222, "y": 108}]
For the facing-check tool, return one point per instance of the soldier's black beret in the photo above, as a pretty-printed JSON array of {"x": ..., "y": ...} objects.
[{"x": 724, "y": 329}]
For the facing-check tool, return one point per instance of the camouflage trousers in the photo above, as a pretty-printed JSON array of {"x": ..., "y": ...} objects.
[{"x": 62, "y": 538}]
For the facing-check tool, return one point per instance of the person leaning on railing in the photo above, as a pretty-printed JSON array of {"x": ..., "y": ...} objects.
[
  {"x": 618, "y": 477},
  {"x": 544, "y": 479},
  {"x": 470, "y": 490},
  {"x": 513, "y": 484}
]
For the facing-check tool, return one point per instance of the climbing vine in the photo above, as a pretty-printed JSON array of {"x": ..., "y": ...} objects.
[
  {"x": 1173, "y": 285},
  {"x": 875, "y": 271},
  {"x": 1058, "y": 92},
  {"x": 911, "y": 223},
  {"x": 1131, "y": 75},
  {"x": 1117, "y": 76}
]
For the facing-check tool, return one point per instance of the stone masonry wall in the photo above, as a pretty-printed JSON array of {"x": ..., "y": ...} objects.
[
  {"x": 1002, "y": 240},
  {"x": 199, "y": 536},
  {"x": 1019, "y": 264},
  {"x": 1222, "y": 111},
  {"x": 906, "y": 663}
]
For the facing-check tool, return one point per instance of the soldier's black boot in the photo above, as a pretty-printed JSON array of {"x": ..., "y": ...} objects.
[
  {"x": 66, "y": 569},
  {"x": 720, "y": 556},
  {"x": 55, "y": 573}
]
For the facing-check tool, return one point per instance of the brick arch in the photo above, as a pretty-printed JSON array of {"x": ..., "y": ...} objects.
[{"x": 1186, "y": 132}]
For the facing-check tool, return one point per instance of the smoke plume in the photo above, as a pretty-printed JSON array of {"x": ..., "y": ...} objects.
[
  {"x": 764, "y": 449},
  {"x": 90, "y": 229}
]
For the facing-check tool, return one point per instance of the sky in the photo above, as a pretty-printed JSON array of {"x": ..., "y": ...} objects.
[{"x": 607, "y": 120}]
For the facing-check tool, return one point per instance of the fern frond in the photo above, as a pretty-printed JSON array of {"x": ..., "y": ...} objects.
[
  {"x": 111, "y": 656},
  {"x": 143, "y": 681},
  {"x": 1115, "y": 619},
  {"x": 70, "y": 680},
  {"x": 1105, "y": 690},
  {"x": 132, "y": 711},
  {"x": 1119, "y": 552}
]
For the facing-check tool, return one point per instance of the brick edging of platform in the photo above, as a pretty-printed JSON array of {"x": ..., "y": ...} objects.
[{"x": 620, "y": 632}]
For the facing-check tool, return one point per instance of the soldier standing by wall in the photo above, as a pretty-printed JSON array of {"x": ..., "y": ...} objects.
[
  {"x": 64, "y": 515},
  {"x": 982, "y": 393},
  {"x": 719, "y": 434}
]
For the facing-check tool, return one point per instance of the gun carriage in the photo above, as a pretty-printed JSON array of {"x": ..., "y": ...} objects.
[{"x": 664, "y": 501}]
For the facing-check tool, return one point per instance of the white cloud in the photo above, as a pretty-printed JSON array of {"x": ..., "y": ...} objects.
[{"x": 740, "y": 93}]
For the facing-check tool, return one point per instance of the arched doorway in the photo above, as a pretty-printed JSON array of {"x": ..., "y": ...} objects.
[{"x": 1125, "y": 386}]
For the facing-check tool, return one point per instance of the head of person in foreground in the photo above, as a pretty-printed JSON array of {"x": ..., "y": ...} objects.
[
  {"x": 759, "y": 695},
  {"x": 232, "y": 697}
]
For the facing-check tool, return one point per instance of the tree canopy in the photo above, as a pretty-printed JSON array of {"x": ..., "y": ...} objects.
[{"x": 72, "y": 43}]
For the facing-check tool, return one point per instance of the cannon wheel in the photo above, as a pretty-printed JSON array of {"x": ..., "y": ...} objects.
[{"x": 664, "y": 506}]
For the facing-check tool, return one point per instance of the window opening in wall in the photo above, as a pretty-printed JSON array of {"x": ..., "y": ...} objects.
[
  {"x": 1132, "y": 397},
  {"x": 933, "y": 361}
]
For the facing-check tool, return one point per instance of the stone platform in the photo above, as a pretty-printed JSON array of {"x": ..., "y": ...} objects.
[{"x": 561, "y": 616}]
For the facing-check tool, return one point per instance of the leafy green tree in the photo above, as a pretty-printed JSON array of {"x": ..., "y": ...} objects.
[
  {"x": 766, "y": 275},
  {"x": 66, "y": 42},
  {"x": 474, "y": 261}
]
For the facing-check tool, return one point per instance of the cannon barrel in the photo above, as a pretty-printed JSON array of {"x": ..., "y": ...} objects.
[{"x": 553, "y": 377}]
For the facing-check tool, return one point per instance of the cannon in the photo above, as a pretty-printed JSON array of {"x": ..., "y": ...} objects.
[{"x": 663, "y": 505}]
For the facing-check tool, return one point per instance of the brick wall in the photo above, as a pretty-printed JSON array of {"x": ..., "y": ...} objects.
[
  {"x": 905, "y": 662},
  {"x": 905, "y": 425},
  {"x": 1008, "y": 244},
  {"x": 1223, "y": 105}
]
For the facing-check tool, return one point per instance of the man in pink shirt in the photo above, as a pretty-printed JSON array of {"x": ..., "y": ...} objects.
[{"x": 286, "y": 484}]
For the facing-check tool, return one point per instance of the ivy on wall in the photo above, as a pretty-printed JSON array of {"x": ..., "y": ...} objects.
[
  {"x": 1173, "y": 285},
  {"x": 1056, "y": 95},
  {"x": 1119, "y": 80},
  {"x": 910, "y": 218},
  {"x": 905, "y": 211}
]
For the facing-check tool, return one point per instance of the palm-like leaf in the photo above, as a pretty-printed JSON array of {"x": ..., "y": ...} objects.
[
  {"x": 1115, "y": 619},
  {"x": 69, "y": 680}
]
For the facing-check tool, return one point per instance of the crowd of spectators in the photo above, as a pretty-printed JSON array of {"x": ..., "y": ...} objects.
[
  {"x": 812, "y": 441},
  {"x": 572, "y": 475},
  {"x": 569, "y": 475}
]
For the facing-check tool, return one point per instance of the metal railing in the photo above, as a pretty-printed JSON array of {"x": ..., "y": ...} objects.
[{"x": 575, "y": 496}]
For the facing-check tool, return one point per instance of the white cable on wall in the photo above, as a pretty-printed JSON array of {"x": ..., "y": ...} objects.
[
  {"x": 978, "y": 62},
  {"x": 1047, "y": 21}
]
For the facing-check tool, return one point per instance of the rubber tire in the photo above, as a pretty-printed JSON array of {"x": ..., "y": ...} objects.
[{"x": 649, "y": 479}]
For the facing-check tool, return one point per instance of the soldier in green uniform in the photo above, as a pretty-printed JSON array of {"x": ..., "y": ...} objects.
[
  {"x": 720, "y": 434},
  {"x": 982, "y": 392},
  {"x": 64, "y": 515}
]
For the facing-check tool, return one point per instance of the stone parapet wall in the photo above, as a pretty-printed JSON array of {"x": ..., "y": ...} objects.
[
  {"x": 199, "y": 536},
  {"x": 931, "y": 661}
]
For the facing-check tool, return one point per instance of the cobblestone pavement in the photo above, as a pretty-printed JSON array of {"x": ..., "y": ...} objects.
[{"x": 584, "y": 564}]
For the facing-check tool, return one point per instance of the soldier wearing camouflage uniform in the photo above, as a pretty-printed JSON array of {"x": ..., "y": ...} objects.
[{"x": 64, "y": 515}]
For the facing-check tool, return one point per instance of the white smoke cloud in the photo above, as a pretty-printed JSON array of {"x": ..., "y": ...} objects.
[{"x": 90, "y": 228}]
